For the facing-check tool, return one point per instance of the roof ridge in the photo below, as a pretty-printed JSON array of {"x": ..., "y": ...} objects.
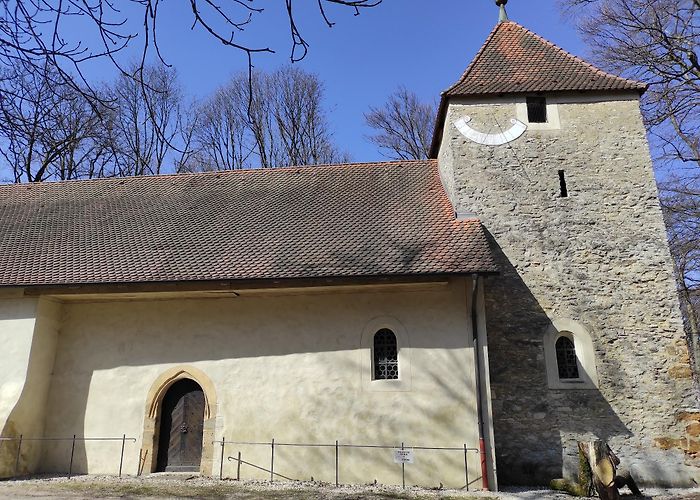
[{"x": 243, "y": 171}]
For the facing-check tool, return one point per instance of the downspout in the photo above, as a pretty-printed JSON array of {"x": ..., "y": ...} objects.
[{"x": 479, "y": 394}]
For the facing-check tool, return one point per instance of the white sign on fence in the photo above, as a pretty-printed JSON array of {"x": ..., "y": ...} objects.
[{"x": 403, "y": 456}]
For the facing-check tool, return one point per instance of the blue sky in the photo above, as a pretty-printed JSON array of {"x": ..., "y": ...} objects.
[{"x": 423, "y": 45}]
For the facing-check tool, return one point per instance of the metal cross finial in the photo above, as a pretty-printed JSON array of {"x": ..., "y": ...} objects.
[{"x": 502, "y": 15}]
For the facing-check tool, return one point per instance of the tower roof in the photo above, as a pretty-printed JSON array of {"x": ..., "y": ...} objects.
[{"x": 515, "y": 60}]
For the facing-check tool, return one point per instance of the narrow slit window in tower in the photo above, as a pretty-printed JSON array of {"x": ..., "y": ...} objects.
[
  {"x": 563, "y": 192},
  {"x": 536, "y": 109}
]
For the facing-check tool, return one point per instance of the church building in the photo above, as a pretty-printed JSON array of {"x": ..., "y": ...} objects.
[{"x": 484, "y": 309}]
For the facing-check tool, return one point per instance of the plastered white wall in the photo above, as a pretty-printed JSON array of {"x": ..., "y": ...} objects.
[
  {"x": 284, "y": 367},
  {"x": 28, "y": 331}
]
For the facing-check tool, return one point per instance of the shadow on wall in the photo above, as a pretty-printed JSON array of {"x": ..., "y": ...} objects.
[
  {"x": 338, "y": 414},
  {"x": 321, "y": 404},
  {"x": 536, "y": 428},
  {"x": 27, "y": 415},
  {"x": 321, "y": 417}
]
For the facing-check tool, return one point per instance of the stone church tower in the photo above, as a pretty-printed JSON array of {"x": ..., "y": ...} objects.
[{"x": 585, "y": 333}]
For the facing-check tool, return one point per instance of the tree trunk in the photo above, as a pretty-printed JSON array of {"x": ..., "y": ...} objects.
[
  {"x": 603, "y": 466},
  {"x": 584, "y": 486}
]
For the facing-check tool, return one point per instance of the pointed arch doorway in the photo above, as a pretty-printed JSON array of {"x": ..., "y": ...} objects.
[
  {"x": 181, "y": 428},
  {"x": 153, "y": 418}
]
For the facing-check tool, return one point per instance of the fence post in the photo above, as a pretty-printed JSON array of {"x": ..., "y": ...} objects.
[
  {"x": 72, "y": 451},
  {"x": 221, "y": 466},
  {"x": 336, "y": 462},
  {"x": 238, "y": 471},
  {"x": 272, "y": 461},
  {"x": 403, "y": 472},
  {"x": 19, "y": 449},
  {"x": 121, "y": 457},
  {"x": 466, "y": 466}
]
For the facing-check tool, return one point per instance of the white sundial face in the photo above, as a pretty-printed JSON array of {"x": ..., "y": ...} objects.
[{"x": 498, "y": 138}]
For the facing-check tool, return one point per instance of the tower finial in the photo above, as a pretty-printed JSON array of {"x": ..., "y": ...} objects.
[{"x": 502, "y": 15}]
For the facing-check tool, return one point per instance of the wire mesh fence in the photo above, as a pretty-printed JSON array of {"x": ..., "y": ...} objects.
[{"x": 21, "y": 440}]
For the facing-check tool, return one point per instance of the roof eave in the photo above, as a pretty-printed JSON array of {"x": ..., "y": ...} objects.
[{"x": 233, "y": 285}]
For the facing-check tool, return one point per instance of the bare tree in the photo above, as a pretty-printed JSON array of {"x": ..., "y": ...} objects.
[
  {"x": 284, "y": 124},
  {"x": 655, "y": 41},
  {"x": 46, "y": 133},
  {"x": 186, "y": 153},
  {"x": 221, "y": 134},
  {"x": 682, "y": 213},
  {"x": 55, "y": 34},
  {"x": 403, "y": 126},
  {"x": 299, "y": 133},
  {"x": 143, "y": 120}
]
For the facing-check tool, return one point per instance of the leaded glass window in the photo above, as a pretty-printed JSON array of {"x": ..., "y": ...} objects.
[
  {"x": 566, "y": 358},
  {"x": 386, "y": 361}
]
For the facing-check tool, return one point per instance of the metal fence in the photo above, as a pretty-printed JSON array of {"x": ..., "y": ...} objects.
[
  {"x": 272, "y": 445},
  {"x": 21, "y": 439},
  {"x": 464, "y": 454}
]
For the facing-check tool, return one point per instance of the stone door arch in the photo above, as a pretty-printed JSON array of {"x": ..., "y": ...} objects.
[{"x": 154, "y": 401}]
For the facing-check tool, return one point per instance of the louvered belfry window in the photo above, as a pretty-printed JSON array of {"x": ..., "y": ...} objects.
[
  {"x": 566, "y": 358},
  {"x": 386, "y": 361}
]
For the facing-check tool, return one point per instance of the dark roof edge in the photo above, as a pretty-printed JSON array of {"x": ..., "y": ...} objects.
[
  {"x": 439, "y": 126},
  {"x": 234, "y": 284}
]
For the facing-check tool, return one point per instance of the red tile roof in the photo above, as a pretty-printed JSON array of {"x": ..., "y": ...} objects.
[
  {"x": 378, "y": 219},
  {"x": 515, "y": 60}
]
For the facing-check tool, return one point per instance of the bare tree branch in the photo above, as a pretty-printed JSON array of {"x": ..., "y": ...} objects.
[
  {"x": 286, "y": 124},
  {"x": 403, "y": 126},
  {"x": 34, "y": 34}
]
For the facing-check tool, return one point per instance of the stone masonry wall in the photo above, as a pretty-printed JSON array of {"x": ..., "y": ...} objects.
[{"x": 598, "y": 257}]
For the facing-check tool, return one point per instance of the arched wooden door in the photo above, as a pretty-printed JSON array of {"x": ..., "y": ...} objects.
[{"x": 181, "y": 428}]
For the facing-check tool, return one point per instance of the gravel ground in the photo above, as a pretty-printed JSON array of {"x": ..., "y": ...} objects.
[{"x": 185, "y": 486}]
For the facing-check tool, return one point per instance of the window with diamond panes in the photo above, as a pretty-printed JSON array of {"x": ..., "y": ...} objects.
[
  {"x": 386, "y": 360},
  {"x": 566, "y": 358}
]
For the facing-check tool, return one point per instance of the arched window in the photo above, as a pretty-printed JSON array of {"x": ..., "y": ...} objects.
[
  {"x": 386, "y": 359},
  {"x": 567, "y": 362},
  {"x": 569, "y": 356}
]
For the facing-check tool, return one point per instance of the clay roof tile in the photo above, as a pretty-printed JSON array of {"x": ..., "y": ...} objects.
[
  {"x": 376, "y": 219},
  {"x": 514, "y": 59}
]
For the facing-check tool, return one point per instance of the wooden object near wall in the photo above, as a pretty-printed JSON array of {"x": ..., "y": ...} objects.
[
  {"x": 604, "y": 467},
  {"x": 598, "y": 471}
]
